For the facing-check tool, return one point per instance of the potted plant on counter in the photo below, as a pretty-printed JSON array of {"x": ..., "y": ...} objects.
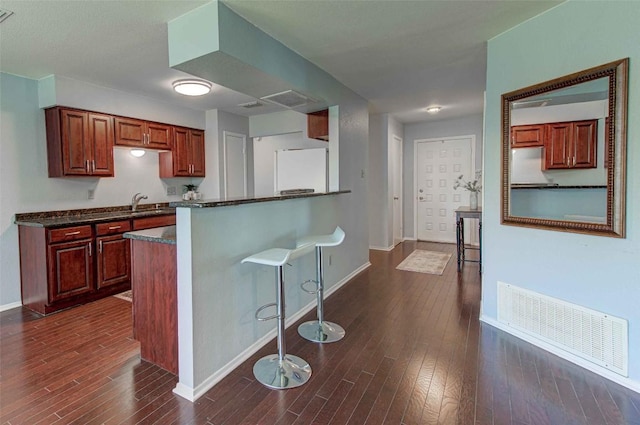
[{"x": 190, "y": 192}]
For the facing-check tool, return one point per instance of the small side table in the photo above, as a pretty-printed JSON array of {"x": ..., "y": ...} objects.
[{"x": 461, "y": 214}]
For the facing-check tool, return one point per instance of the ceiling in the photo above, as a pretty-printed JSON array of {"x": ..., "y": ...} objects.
[{"x": 402, "y": 56}]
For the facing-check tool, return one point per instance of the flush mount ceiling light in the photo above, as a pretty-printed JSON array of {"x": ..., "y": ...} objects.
[
  {"x": 191, "y": 87},
  {"x": 433, "y": 109},
  {"x": 137, "y": 152}
]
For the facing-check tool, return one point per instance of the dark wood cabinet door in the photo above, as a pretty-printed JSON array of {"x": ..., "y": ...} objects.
[
  {"x": 76, "y": 149},
  {"x": 197, "y": 153},
  {"x": 70, "y": 269},
  {"x": 181, "y": 152},
  {"x": 158, "y": 136},
  {"x": 318, "y": 125},
  {"x": 114, "y": 261},
  {"x": 527, "y": 136},
  {"x": 584, "y": 148},
  {"x": 101, "y": 139},
  {"x": 557, "y": 146},
  {"x": 129, "y": 132}
]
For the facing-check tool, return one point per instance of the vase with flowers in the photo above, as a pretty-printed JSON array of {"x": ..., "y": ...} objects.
[{"x": 473, "y": 186}]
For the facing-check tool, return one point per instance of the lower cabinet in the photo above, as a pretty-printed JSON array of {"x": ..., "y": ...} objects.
[
  {"x": 71, "y": 269},
  {"x": 68, "y": 266},
  {"x": 114, "y": 254}
]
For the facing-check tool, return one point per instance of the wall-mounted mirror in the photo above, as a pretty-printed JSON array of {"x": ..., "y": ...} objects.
[{"x": 563, "y": 152}]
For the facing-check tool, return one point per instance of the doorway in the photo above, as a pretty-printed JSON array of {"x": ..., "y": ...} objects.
[
  {"x": 396, "y": 189},
  {"x": 235, "y": 164},
  {"x": 438, "y": 164}
]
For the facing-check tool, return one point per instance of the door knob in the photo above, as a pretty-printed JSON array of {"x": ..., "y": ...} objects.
[{"x": 395, "y": 198}]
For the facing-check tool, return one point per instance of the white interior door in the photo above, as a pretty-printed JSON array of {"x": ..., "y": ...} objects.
[
  {"x": 438, "y": 164},
  {"x": 396, "y": 184},
  {"x": 235, "y": 164}
]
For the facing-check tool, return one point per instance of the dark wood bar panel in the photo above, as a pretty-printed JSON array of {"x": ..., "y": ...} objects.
[{"x": 155, "y": 302}]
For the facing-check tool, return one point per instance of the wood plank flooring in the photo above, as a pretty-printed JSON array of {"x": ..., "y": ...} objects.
[{"x": 415, "y": 353}]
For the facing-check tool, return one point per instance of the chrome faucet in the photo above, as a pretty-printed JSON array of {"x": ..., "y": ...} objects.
[{"x": 136, "y": 199}]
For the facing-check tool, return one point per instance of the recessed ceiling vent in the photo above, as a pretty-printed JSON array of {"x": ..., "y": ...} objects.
[
  {"x": 4, "y": 14},
  {"x": 250, "y": 105},
  {"x": 288, "y": 99}
]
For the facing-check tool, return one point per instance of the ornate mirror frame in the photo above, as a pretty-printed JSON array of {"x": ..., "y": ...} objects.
[{"x": 615, "y": 151}]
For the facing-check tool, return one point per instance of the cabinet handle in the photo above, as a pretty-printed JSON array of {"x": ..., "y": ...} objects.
[
  {"x": 93, "y": 165},
  {"x": 72, "y": 233},
  {"x": 89, "y": 249},
  {"x": 574, "y": 161},
  {"x": 86, "y": 165},
  {"x": 100, "y": 247},
  {"x": 114, "y": 227}
]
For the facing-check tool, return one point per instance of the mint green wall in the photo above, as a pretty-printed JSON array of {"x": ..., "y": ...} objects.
[{"x": 596, "y": 272}]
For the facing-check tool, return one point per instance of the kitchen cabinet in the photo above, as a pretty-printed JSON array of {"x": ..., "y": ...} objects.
[
  {"x": 187, "y": 157},
  {"x": 318, "y": 125},
  {"x": 142, "y": 134},
  {"x": 150, "y": 222},
  {"x": 527, "y": 136},
  {"x": 61, "y": 267},
  {"x": 70, "y": 263},
  {"x": 114, "y": 256},
  {"x": 571, "y": 145},
  {"x": 79, "y": 143}
]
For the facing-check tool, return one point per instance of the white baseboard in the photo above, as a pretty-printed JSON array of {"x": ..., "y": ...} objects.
[
  {"x": 192, "y": 394},
  {"x": 9, "y": 306},
  {"x": 410, "y": 239},
  {"x": 612, "y": 376},
  {"x": 381, "y": 248}
]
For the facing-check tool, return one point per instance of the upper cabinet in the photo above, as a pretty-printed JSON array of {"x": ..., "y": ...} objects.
[
  {"x": 142, "y": 134},
  {"x": 318, "y": 125},
  {"x": 187, "y": 158},
  {"x": 571, "y": 145},
  {"x": 527, "y": 136},
  {"x": 79, "y": 143}
]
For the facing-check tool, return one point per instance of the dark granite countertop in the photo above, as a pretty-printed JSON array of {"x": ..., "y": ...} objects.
[
  {"x": 212, "y": 203},
  {"x": 166, "y": 235},
  {"x": 91, "y": 216}
]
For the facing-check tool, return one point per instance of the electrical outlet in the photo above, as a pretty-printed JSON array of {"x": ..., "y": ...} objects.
[
  {"x": 91, "y": 194},
  {"x": 362, "y": 174},
  {"x": 171, "y": 190}
]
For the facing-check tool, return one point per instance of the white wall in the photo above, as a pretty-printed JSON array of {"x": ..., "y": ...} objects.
[
  {"x": 596, "y": 272},
  {"x": 382, "y": 129},
  {"x": 24, "y": 182},
  {"x": 471, "y": 125}
]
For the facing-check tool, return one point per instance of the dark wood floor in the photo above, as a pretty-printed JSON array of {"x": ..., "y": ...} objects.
[{"x": 414, "y": 353}]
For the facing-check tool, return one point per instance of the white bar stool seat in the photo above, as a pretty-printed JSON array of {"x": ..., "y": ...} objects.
[
  {"x": 280, "y": 371},
  {"x": 320, "y": 330}
]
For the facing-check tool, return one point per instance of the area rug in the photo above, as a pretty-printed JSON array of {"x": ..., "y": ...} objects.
[
  {"x": 422, "y": 261},
  {"x": 126, "y": 295}
]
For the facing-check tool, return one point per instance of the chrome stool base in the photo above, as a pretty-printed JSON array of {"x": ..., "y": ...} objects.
[
  {"x": 322, "y": 333},
  {"x": 278, "y": 374}
]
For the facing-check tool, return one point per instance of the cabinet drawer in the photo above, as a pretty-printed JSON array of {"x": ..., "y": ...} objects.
[
  {"x": 113, "y": 227},
  {"x": 69, "y": 234},
  {"x": 149, "y": 222}
]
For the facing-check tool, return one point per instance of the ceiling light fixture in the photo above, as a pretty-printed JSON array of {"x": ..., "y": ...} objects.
[
  {"x": 433, "y": 109},
  {"x": 191, "y": 87},
  {"x": 137, "y": 152}
]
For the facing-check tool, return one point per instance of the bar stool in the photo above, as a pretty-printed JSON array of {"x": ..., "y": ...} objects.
[
  {"x": 280, "y": 371},
  {"x": 320, "y": 330}
]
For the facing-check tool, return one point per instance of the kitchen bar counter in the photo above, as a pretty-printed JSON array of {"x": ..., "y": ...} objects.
[
  {"x": 218, "y": 295},
  {"x": 213, "y": 203},
  {"x": 165, "y": 235}
]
